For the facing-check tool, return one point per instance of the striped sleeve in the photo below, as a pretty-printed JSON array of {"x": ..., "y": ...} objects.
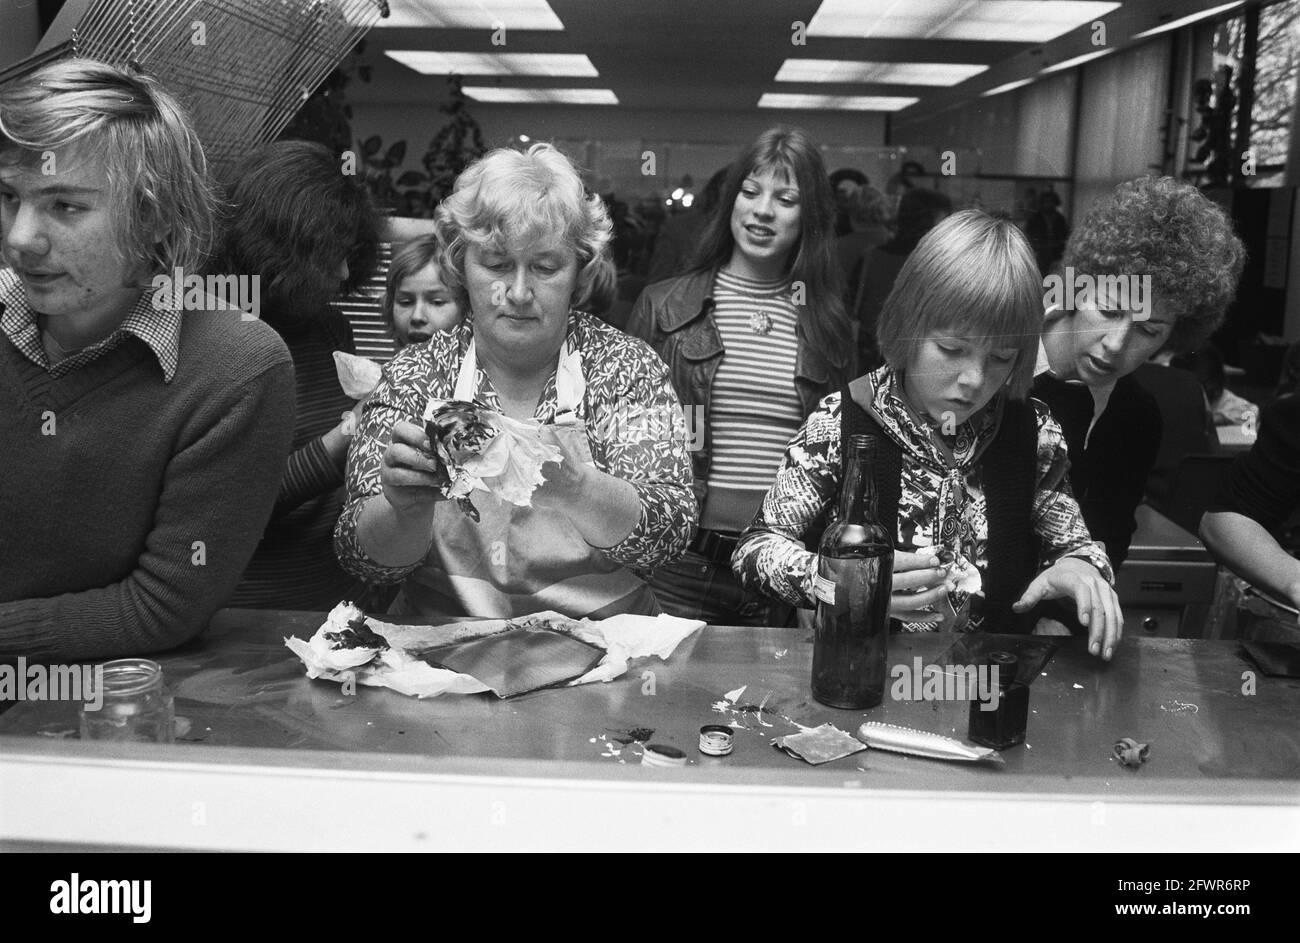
[{"x": 309, "y": 472}]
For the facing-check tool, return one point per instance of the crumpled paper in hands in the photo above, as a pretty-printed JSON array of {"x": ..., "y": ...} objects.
[
  {"x": 508, "y": 466},
  {"x": 357, "y": 375}
]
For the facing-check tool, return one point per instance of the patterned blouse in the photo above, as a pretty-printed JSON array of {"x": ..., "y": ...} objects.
[
  {"x": 941, "y": 500},
  {"x": 635, "y": 428}
]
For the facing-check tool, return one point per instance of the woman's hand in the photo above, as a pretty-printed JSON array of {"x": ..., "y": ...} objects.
[
  {"x": 566, "y": 482},
  {"x": 411, "y": 474},
  {"x": 339, "y": 439},
  {"x": 603, "y": 508},
  {"x": 1097, "y": 604},
  {"x": 912, "y": 572}
]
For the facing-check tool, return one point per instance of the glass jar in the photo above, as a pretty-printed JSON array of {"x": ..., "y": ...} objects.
[
  {"x": 136, "y": 706},
  {"x": 1004, "y": 726}
]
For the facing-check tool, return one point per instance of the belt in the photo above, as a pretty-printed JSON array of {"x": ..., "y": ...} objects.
[{"x": 715, "y": 545}]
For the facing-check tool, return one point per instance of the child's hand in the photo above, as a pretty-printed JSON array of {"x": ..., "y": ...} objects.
[
  {"x": 912, "y": 571},
  {"x": 1098, "y": 606}
]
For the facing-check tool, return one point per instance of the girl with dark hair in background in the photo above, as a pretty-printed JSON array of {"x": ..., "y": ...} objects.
[
  {"x": 753, "y": 336},
  {"x": 306, "y": 231}
]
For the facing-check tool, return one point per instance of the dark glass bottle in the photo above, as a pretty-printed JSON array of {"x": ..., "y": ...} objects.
[
  {"x": 1004, "y": 726},
  {"x": 855, "y": 574}
]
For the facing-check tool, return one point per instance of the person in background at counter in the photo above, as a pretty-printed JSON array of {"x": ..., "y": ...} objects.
[
  {"x": 417, "y": 301},
  {"x": 844, "y": 183},
  {"x": 868, "y": 221},
  {"x": 1260, "y": 493},
  {"x": 303, "y": 229},
  {"x": 144, "y": 430},
  {"x": 525, "y": 251},
  {"x": 964, "y": 463},
  {"x": 754, "y": 336},
  {"x": 919, "y": 211},
  {"x": 1169, "y": 243}
]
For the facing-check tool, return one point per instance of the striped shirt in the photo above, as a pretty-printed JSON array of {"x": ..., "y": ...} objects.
[{"x": 755, "y": 408}]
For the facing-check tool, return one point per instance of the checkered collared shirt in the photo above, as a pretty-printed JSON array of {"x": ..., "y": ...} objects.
[{"x": 159, "y": 328}]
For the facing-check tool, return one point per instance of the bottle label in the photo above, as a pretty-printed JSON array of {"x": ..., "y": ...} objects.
[{"x": 823, "y": 589}]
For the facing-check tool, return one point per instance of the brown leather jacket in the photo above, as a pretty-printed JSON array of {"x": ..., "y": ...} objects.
[{"x": 675, "y": 318}]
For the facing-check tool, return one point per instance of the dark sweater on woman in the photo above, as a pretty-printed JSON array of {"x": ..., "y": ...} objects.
[
  {"x": 1109, "y": 476},
  {"x": 125, "y": 525}
]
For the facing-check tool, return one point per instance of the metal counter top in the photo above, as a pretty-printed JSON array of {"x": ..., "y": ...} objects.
[{"x": 250, "y": 709}]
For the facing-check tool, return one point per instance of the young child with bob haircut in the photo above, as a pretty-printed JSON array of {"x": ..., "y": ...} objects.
[
  {"x": 417, "y": 302},
  {"x": 966, "y": 465}
]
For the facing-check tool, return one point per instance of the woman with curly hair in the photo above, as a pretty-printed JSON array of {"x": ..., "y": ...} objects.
[
  {"x": 1177, "y": 250},
  {"x": 305, "y": 231},
  {"x": 753, "y": 336},
  {"x": 524, "y": 251}
]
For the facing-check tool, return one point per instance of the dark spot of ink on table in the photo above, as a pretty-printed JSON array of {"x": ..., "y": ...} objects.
[{"x": 631, "y": 735}]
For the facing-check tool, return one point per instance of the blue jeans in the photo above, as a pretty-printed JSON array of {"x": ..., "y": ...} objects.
[{"x": 696, "y": 587}]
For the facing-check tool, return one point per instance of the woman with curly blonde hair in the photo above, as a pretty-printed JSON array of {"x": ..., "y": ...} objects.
[
  {"x": 1174, "y": 254},
  {"x": 523, "y": 249}
]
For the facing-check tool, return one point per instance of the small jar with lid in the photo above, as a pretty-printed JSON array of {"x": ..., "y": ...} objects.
[
  {"x": 1003, "y": 725},
  {"x": 136, "y": 705}
]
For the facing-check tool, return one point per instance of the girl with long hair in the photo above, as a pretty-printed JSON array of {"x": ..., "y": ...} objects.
[{"x": 753, "y": 335}]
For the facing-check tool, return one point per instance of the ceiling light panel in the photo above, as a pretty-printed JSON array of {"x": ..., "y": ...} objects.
[
  {"x": 1026, "y": 21},
  {"x": 472, "y": 14},
  {"x": 1006, "y": 88},
  {"x": 835, "y": 102},
  {"x": 555, "y": 65},
  {"x": 552, "y": 96},
  {"x": 1188, "y": 20},
  {"x": 1076, "y": 61},
  {"x": 893, "y": 73}
]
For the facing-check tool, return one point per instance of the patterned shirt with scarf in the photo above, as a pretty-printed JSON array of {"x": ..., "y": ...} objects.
[{"x": 941, "y": 503}]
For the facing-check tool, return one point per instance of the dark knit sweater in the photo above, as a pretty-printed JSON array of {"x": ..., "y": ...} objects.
[
  {"x": 126, "y": 529},
  {"x": 1109, "y": 476}
]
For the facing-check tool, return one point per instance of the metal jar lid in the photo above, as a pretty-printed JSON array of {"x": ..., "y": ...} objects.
[
  {"x": 716, "y": 740},
  {"x": 659, "y": 754}
]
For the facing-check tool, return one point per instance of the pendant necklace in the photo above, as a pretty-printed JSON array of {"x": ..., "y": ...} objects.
[{"x": 760, "y": 322}]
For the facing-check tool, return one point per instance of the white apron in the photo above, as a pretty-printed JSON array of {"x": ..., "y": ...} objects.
[{"x": 520, "y": 560}]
